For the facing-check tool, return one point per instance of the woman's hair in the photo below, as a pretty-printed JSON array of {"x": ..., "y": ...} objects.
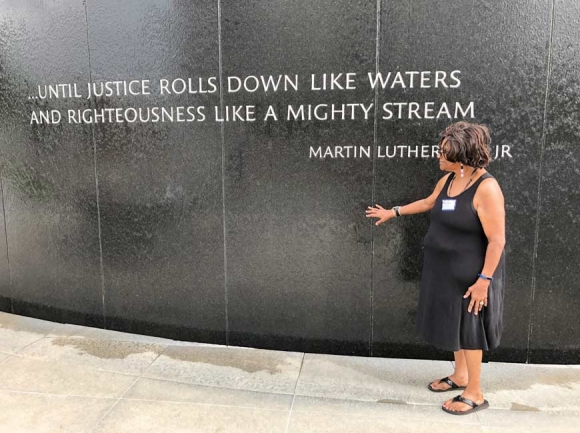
[{"x": 467, "y": 143}]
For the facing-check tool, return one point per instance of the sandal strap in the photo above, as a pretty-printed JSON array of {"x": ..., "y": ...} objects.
[
  {"x": 466, "y": 401},
  {"x": 449, "y": 382}
]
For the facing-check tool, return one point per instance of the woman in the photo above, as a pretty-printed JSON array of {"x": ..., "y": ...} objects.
[{"x": 461, "y": 301}]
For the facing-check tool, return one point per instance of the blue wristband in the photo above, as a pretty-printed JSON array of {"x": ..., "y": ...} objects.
[{"x": 485, "y": 277}]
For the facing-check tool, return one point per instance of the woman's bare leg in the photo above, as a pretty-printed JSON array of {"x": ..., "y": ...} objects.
[
  {"x": 459, "y": 376},
  {"x": 473, "y": 391}
]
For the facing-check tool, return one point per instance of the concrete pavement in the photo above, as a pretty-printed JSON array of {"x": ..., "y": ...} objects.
[{"x": 67, "y": 378}]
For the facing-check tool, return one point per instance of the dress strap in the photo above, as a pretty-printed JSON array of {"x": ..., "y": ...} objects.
[
  {"x": 448, "y": 182},
  {"x": 470, "y": 192},
  {"x": 446, "y": 186},
  {"x": 481, "y": 178}
]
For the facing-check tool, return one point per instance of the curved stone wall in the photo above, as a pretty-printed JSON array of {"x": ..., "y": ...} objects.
[{"x": 200, "y": 169}]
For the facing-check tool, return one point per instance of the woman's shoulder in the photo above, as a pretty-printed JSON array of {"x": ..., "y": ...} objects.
[{"x": 488, "y": 185}]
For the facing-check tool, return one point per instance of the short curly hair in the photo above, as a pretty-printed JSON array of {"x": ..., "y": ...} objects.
[{"x": 467, "y": 143}]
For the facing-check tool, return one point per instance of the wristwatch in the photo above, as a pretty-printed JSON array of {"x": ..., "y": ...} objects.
[{"x": 397, "y": 210}]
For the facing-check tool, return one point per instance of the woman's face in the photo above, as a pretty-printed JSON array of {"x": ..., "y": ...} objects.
[{"x": 445, "y": 165}]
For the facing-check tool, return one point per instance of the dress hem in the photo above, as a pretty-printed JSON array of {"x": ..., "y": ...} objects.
[{"x": 447, "y": 348}]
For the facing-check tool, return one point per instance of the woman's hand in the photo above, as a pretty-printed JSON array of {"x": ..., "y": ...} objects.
[
  {"x": 478, "y": 293},
  {"x": 381, "y": 213}
]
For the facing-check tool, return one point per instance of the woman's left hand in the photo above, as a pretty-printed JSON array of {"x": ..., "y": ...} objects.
[{"x": 478, "y": 293}]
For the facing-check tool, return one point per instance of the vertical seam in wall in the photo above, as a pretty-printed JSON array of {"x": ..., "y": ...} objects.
[
  {"x": 375, "y": 127},
  {"x": 96, "y": 181},
  {"x": 222, "y": 133},
  {"x": 539, "y": 195},
  {"x": 6, "y": 238}
]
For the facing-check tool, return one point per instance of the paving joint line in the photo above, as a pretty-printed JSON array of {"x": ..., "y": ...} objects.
[
  {"x": 389, "y": 415},
  {"x": 217, "y": 387},
  {"x": 54, "y": 394},
  {"x": 294, "y": 393},
  {"x": 125, "y": 393},
  {"x": 112, "y": 407},
  {"x": 28, "y": 345},
  {"x": 194, "y": 403},
  {"x": 373, "y": 401},
  {"x": 59, "y": 361}
]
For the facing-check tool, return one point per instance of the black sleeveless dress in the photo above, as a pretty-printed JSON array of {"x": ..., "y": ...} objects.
[{"x": 454, "y": 253}]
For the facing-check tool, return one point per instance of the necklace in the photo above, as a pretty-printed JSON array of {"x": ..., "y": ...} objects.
[{"x": 466, "y": 185}]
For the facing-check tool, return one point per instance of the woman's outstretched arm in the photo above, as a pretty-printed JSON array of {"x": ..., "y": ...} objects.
[{"x": 419, "y": 206}]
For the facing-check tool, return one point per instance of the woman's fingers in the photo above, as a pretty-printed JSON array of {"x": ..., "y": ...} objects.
[
  {"x": 475, "y": 306},
  {"x": 378, "y": 212},
  {"x": 481, "y": 304},
  {"x": 476, "y": 303},
  {"x": 379, "y": 222}
]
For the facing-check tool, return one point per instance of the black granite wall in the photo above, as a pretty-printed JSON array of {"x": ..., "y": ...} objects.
[{"x": 229, "y": 232}]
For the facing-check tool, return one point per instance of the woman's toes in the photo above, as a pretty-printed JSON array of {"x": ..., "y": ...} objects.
[{"x": 436, "y": 384}]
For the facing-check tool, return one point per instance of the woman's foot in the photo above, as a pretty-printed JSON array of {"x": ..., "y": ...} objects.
[
  {"x": 444, "y": 386},
  {"x": 457, "y": 406}
]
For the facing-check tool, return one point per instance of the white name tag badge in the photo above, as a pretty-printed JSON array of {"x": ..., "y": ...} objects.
[{"x": 448, "y": 205}]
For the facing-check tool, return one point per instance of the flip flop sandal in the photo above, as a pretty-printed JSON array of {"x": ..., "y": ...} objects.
[
  {"x": 449, "y": 382},
  {"x": 474, "y": 407}
]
